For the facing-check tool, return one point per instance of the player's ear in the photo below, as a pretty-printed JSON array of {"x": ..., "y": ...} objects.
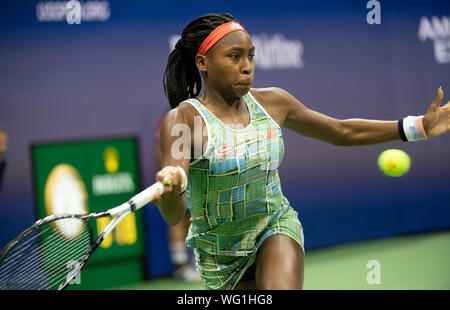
[{"x": 202, "y": 62}]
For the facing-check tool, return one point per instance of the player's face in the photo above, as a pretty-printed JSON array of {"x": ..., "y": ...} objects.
[{"x": 231, "y": 67}]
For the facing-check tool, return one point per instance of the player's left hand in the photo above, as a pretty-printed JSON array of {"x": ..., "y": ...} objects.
[{"x": 437, "y": 119}]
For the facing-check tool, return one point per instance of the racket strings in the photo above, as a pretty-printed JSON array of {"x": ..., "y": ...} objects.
[
  {"x": 54, "y": 269},
  {"x": 44, "y": 258},
  {"x": 13, "y": 267},
  {"x": 33, "y": 264},
  {"x": 20, "y": 250},
  {"x": 28, "y": 249},
  {"x": 61, "y": 272},
  {"x": 29, "y": 277}
]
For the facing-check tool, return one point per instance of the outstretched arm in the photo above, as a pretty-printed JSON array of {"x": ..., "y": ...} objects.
[{"x": 354, "y": 132}]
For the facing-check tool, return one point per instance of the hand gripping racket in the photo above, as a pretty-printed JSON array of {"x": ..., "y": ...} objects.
[{"x": 51, "y": 253}]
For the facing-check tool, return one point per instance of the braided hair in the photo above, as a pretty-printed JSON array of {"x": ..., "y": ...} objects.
[{"x": 182, "y": 79}]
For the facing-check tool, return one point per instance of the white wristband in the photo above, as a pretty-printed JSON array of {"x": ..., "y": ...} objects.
[
  {"x": 183, "y": 179},
  {"x": 413, "y": 128}
]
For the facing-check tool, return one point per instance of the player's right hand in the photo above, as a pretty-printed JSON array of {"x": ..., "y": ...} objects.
[{"x": 171, "y": 178}]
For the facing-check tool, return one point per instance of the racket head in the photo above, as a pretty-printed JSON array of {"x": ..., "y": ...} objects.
[{"x": 49, "y": 254}]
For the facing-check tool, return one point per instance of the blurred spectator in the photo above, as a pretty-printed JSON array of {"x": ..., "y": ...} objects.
[{"x": 3, "y": 147}]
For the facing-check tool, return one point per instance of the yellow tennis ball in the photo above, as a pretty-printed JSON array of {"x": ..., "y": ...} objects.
[{"x": 394, "y": 162}]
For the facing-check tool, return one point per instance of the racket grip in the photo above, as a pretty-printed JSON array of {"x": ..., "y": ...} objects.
[{"x": 146, "y": 196}]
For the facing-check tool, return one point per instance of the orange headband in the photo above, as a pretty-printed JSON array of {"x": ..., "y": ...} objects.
[{"x": 218, "y": 34}]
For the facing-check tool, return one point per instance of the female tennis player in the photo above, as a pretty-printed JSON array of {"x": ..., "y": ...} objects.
[{"x": 244, "y": 232}]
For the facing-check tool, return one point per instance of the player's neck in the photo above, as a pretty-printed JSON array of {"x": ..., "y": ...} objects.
[{"x": 228, "y": 104}]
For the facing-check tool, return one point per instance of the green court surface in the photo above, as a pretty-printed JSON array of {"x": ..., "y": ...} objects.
[{"x": 413, "y": 262}]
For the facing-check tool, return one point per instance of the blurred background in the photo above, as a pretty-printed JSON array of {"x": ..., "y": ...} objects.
[{"x": 66, "y": 82}]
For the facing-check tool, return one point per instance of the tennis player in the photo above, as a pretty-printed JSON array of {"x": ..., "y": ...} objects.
[{"x": 244, "y": 232}]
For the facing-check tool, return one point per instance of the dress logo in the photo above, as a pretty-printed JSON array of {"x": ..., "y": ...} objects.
[{"x": 224, "y": 149}]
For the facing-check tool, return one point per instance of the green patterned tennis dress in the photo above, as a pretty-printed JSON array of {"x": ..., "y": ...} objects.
[{"x": 234, "y": 196}]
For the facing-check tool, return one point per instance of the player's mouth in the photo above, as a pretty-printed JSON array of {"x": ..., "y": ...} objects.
[{"x": 245, "y": 84}]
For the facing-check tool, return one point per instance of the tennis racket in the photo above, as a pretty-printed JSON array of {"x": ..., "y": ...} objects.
[{"x": 50, "y": 254}]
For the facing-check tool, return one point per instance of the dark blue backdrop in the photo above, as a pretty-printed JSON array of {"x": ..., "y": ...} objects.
[{"x": 104, "y": 78}]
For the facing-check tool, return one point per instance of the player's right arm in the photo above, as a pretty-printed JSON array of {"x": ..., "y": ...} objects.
[{"x": 173, "y": 139}]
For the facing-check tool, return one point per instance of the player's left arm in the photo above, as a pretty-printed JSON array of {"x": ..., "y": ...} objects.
[{"x": 353, "y": 132}]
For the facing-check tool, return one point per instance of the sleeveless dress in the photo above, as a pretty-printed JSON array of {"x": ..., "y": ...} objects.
[{"x": 234, "y": 196}]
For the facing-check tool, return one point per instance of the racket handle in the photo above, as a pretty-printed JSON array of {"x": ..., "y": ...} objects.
[
  {"x": 139, "y": 200},
  {"x": 146, "y": 195}
]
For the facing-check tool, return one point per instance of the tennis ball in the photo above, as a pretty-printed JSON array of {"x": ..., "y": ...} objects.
[{"x": 394, "y": 162}]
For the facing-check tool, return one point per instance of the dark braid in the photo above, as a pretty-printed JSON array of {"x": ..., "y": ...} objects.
[{"x": 182, "y": 79}]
